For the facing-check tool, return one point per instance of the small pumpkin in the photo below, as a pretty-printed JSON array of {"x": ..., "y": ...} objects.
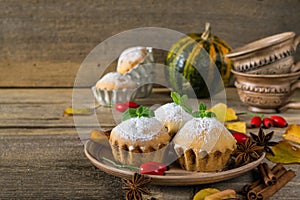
[{"x": 186, "y": 54}]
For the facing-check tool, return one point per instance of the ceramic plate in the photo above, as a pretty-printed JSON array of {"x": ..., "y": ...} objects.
[{"x": 174, "y": 176}]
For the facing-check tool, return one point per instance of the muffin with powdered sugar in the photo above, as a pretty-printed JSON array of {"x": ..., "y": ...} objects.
[
  {"x": 137, "y": 63},
  {"x": 203, "y": 144},
  {"x": 114, "y": 88},
  {"x": 174, "y": 115},
  {"x": 139, "y": 139}
]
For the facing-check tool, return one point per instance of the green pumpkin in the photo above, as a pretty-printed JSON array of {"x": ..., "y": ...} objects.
[{"x": 185, "y": 54}]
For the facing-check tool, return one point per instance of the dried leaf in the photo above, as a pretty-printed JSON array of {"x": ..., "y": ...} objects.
[
  {"x": 77, "y": 111},
  {"x": 225, "y": 194},
  {"x": 292, "y": 133},
  {"x": 230, "y": 115},
  {"x": 205, "y": 192},
  {"x": 237, "y": 126},
  {"x": 285, "y": 153},
  {"x": 101, "y": 138},
  {"x": 99, "y": 135},
  {"x": 223, "y": 113}
]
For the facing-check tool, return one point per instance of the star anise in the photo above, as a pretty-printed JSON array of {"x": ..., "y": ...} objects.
[
  {"x": 248, "y": 152},
  {"x": 136, "y": 187},
  {"x": 264, "y": 140}
]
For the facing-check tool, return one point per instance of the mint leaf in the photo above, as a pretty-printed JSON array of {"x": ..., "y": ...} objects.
[
  {"x": 187, "y": 108},
  {"x": 196, "y": 114},
  {"x": 141, "y": 111},
  {"x": 203, "y": 112},
  {"x": 184, "y": 98},
  {"x": 181, "y": 101},
  {"x": 210, "y": 114},
  {"x": 202, "y": 107},
  {"x": 129, "y": 113},
  {"x": 202, "y": 115},
  {"x": 145, "y": 112},
  {"x": 176, "y": 97}
]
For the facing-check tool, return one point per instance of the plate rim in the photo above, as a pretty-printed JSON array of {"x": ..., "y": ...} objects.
[{"x": 193, "y": 178}]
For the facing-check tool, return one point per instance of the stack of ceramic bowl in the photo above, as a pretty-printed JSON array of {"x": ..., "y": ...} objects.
[{"x": 266, "y": 73}]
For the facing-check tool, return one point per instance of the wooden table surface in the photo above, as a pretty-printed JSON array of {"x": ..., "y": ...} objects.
[{"x": 42, "y": 158}]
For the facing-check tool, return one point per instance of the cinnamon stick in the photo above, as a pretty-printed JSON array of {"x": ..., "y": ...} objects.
[
  {"x": 280, "y": 173},
  {"x": 252, "y": 194},
  {"x": 277, "y": 168},
  {"x": 267, "y": 175},
  {"x": 271, "y": 190},
  {"x": 250, "y": 186},
  {"x": 253, "y": 189}
]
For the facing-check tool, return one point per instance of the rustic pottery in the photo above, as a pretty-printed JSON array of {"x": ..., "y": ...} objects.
[
  {"x": 175, "y": 176},
  {"x": 270, "y": 55},
  {"x": 267, "y": 93}
]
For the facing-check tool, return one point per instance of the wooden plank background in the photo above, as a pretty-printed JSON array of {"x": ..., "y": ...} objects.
[{"x": 42, "y": 43}]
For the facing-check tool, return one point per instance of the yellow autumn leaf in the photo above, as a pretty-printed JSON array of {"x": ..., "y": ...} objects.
[
  {"x": 237, "y": 126},
  {"x": 98, "y": 135},
  {"x": 205, "y": 192},
  {"x": 223, "y": 113},
  {"x": 225, "y": 194},
  {"x": 292, "y": 133},
  {"x": 285, "y": 153},
  {"x": 101, "y": 138},
  {"x": 77, "y": 111}
]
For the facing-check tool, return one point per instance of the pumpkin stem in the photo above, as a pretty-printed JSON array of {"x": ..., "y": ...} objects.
[{"x": 206, "y": 34}]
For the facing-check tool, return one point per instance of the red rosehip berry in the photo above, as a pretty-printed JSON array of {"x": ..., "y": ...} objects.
[
  {"x": 153, "y": 168},
  {"x": 255, "y": 122},
  {"x": 279, "y": 121},
  {"x": 240, "y": 137},
  {"x": 268, "y": 122},
  {"x": 122, "y": 107},
  {"x": 131, "y": 104}
]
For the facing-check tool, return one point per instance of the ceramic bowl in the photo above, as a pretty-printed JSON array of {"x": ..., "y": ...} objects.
[
  {"x": 270, "y": 55},
  {"x": 267, "y": 93}
]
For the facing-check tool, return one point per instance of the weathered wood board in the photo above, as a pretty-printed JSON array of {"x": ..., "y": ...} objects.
[
  {"x": 42, "y": 158},
  {"x": 43, "y": 43}
]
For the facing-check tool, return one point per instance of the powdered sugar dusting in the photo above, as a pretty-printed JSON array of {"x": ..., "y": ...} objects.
[
  {"x": 172, "y": 112},
  {"x": 138, "y": 129},
  {"x": 118, "y": 80},
  {"x": 209, "y": 130},
  {"x": 199, "y": 125},
  {"x": 131, "y": 55}
]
